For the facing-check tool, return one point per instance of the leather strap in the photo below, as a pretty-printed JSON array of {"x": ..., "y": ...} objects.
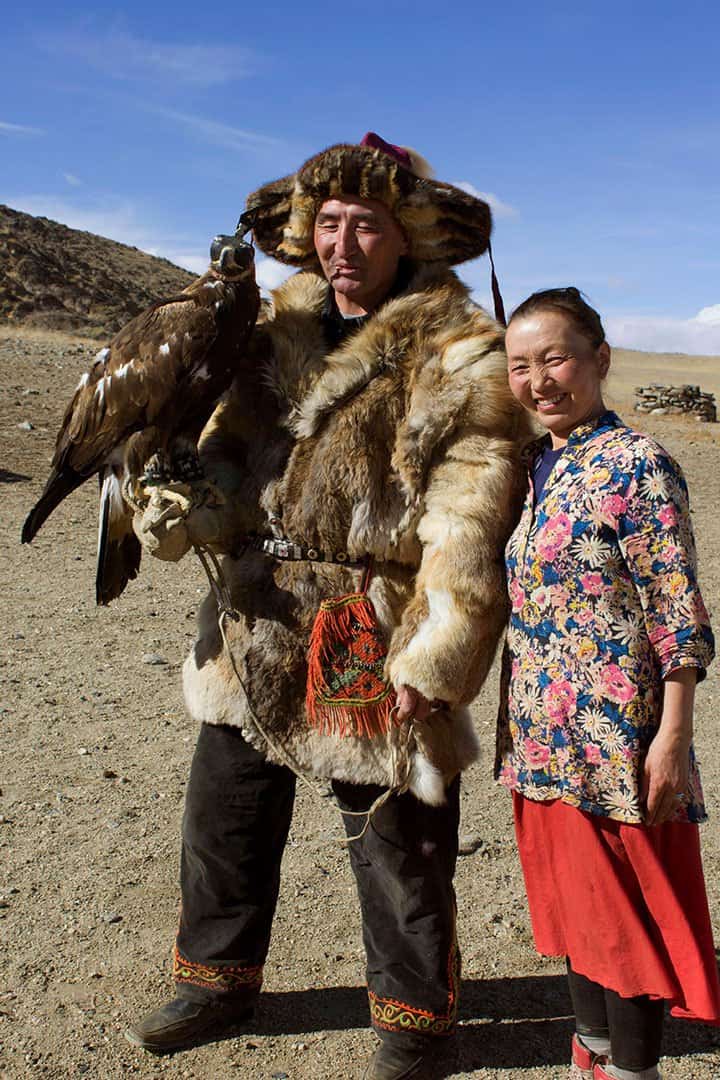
[{"x": 496, "y": 294}]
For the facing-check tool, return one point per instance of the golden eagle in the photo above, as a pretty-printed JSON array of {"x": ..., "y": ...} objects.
[{"x": 137, "y": 414}]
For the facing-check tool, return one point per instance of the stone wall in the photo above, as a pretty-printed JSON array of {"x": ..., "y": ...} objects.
[{"x": 671, "y": 400}]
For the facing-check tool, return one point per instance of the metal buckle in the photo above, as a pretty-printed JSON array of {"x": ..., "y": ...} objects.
[{"x": 279, "y": 548}]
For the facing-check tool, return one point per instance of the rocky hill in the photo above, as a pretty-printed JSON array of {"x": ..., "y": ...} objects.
[{"x": 58, "y": 278}]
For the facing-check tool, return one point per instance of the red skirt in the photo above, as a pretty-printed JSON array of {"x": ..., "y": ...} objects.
[{"x": 626, "y": 903}]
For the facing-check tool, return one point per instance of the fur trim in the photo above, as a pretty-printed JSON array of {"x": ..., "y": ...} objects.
[
  {"x": 442, "y": 222},
  {"x": 419, "y": 165}
]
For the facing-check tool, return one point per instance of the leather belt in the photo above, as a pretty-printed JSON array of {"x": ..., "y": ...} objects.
[{"x": 286, "y": 549}]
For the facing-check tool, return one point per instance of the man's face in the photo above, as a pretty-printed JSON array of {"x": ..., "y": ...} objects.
[{"x": 358, "y": 243}]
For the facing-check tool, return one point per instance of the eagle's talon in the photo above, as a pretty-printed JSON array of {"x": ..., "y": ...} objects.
[
  {"x": 157, "y": 470},
  {"x": 186, "y": 466},
  {"x": 134, "y": 494}
]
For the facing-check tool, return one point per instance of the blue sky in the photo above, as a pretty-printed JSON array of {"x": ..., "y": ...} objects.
[{"x": 593, "y": 129}]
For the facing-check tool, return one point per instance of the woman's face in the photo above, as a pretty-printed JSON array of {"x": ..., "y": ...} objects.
[{"x": 555, "y": 372}]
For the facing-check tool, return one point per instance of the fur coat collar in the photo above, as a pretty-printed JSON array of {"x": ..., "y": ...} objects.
[{"x": 430, "y": 334}]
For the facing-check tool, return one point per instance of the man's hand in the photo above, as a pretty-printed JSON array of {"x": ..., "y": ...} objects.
[{"x": 411, "y": 705}]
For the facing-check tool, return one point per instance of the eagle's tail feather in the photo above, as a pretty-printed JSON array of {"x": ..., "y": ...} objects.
[
  {"x": 119, "y": 550},
  {"x": 59, "y": 485}
]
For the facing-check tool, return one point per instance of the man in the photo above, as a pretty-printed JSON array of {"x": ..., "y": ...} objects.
[{"x": 365, "y": 460}]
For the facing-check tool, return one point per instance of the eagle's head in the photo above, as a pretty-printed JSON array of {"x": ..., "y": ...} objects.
[{"x": 232, "y": 257}]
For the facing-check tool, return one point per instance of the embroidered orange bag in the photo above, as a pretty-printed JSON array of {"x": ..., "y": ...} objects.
[{"x": 347, "y": 693}]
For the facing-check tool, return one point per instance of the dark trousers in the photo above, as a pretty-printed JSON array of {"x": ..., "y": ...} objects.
[
  {"x": 238, "y": 810},
  {"x": 633, "y": 1025}
]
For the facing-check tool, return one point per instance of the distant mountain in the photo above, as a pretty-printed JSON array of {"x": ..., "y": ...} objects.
[{"x": 63, "y": 279}]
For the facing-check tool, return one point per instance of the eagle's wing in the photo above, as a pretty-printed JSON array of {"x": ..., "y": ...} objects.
[
  {"x": 168, "y": 353},
  {"x": 160, "y": 376},
  {"x": 129, "y": 385}
]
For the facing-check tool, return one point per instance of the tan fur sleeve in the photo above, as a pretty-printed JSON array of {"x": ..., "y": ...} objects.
[{"x": 446, "y": 641}]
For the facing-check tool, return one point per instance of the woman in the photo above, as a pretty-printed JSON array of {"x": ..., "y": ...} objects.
[{"x": 607, "y": 638}]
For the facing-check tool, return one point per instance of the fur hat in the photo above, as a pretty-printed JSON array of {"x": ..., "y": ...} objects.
[{"x": 441, "y": 222}]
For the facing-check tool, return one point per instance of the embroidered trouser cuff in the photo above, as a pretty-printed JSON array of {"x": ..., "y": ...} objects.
[
  {"x": 404, "y": 867},
  {"x": 238, "y": 809},
  {"x": 238, "y": 982}
]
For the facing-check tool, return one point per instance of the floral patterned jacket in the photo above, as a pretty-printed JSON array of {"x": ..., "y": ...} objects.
[{"x": 605, "y": 604}]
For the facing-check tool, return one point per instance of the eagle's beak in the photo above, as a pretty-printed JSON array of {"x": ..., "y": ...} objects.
[{"x": 230, "y": 256}]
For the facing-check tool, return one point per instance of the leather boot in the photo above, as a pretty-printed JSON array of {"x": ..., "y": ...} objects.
[
  {"x": 391, "y": 1062},
  {"x": 181, "y": 1023}
]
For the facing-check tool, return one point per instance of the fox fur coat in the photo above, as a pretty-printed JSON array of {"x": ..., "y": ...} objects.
[{"x": 401, "y": 443}]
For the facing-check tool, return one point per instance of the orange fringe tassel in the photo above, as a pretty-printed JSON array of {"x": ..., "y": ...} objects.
[{"x": 346, "y": 691}]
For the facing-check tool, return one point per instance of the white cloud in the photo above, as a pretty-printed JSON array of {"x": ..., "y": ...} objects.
[
  {"x": 115, "y": 219},
  {"x": 269, "y": 273},
  {"x": 699, "y": 335},
  {"x": 121, "y": 55},
  {"x": 72, "y": 179},
  {"x": 18, "y": 129},
  {"x": 195, "y": 262},
  {"x": 214, "y": 132},
  {"x": 709, "y": 315},
  {"x": 499, "y": 208}
]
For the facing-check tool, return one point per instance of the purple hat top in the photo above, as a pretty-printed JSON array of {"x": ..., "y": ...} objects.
[{"x": 398, "y": 153}]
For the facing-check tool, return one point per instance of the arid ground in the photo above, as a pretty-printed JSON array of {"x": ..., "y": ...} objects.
[{"x": 96, "y": 748}]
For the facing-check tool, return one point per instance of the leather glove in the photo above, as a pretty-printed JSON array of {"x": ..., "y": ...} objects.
[{"x": 178, "y": 517}]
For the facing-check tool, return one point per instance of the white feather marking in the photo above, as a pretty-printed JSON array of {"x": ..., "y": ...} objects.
[
  {"x": 84, "y": 379},
  {"x": 112, "y": 496},
  {"x": 202, "y": 373},
  {"x": 102, "y": 356},
  {"x": 122, "y": 370},
  {"x": 100, "y": 391},
  {"x": 164, "y": 349},
  {"x": 212, "y": 285}
]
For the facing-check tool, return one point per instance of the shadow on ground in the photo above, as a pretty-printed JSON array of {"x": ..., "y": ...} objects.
[
  {"x": 505, "y": 1023},
  {"x": 7, "y": 477}
]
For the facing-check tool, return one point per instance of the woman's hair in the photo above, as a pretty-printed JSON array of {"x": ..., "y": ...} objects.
[{"x": 570, "y": 302}]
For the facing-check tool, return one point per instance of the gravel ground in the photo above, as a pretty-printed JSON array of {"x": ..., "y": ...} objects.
[{"x": 96, "y": 752}]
